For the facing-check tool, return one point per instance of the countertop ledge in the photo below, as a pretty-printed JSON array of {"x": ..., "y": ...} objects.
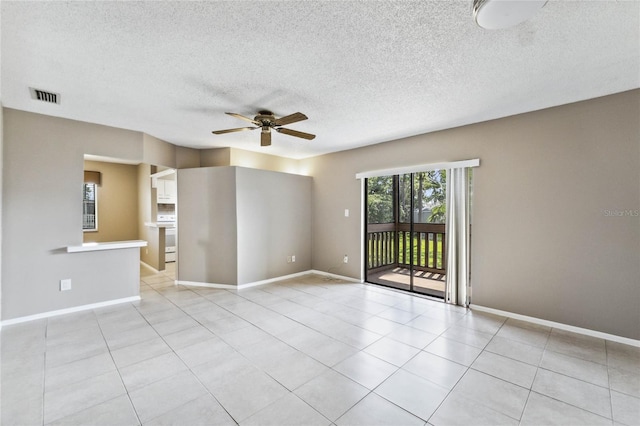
[
  {"x": 159, "y": 225},
  {"x": 112, "y": 245}
]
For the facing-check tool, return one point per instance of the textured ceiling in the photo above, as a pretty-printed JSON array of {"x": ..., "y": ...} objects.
[{"x": 363, "y": 72}]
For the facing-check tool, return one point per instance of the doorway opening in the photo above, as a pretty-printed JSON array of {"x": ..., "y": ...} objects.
[{"x": 405, "y": 238}]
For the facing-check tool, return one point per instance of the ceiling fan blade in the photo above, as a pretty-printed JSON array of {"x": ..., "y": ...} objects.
[
  {"x": 239, "y": 129},
  {"x": 242, "y": 117},
  {"x": 265, "y": 138},
  {"x": 288, "y": 119},
  {"x": 296, "y": 133}
]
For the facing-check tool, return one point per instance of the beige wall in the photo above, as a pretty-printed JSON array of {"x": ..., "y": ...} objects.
[
  {"x": 546, "y": 242},
  {"x": 274, "y": 222},
  {"x": 187, "y": 157},
  {"x": 42, "y": 214},
  {"x": 158, "y": 152},
  {"x": 1, "y": 198},
  {"x": 117, "y": 202},
  {"x": 207, "y": 227},
  {"x": 239, "y": 225},
  {"x": 257, "y": 160},
  {"x": 216, "y": 157},
  {"x": 542, "y": 242},
  {"x": 147, "y": 213}
]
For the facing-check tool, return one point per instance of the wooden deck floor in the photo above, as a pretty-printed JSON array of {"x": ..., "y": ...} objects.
[{"x": 400, "y": 278}]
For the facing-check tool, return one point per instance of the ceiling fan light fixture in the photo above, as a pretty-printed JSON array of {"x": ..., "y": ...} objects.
[{"x": 499, "y": 14}]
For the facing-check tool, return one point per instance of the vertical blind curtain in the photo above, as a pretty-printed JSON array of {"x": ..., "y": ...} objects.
[{"x": 457, "y": 225}]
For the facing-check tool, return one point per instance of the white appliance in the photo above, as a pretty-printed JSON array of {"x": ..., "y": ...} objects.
[
  {"x": 170, "y": 245},
  {"x": 166, "y": 218},
  {"x": 170, "y": 236}
]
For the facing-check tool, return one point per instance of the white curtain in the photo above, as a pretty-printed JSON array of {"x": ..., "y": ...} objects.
[{"x": 457, "y": 237}]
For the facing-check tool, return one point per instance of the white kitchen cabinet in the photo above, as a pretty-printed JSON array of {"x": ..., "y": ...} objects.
[{"x": 167, "y": 192}]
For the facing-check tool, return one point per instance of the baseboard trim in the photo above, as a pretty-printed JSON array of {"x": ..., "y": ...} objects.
[
  {"x": 268, "y": 281},
  {"x": 558, "y": 325},
  {"x": 272, "y": 280},
  {"x": 69, "y": 310},
  {"x": 208, "y": 285},
  {"x": 336, "y": 276},
  {"x": 242, "y": 286},
  {"x": 146, "y": 265}
]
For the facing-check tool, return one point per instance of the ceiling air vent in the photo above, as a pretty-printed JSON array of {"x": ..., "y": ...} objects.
[{"x": 44, "y": 96}]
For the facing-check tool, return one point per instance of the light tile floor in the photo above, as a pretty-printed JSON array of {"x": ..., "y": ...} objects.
[{"x": 307, "y": 351}]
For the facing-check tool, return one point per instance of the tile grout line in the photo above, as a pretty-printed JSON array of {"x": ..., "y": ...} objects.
[
  {"x": 181, "y": 360},
  {"x": 606, "y": 348},
  {"x": 280, "y": 340},
  {"x": 44, "y": 370},
  {"x": 382, "y": 336},
  {"x": 539, "y": 367},
  {"x": 80, "y": 359},
  {"x": 457, "y": 381},
  {"x": 118, "y": 370},
  {"x": 284, "y": 315},
  {"x": 183, "y": 303},
  {"x": 470, "y": 368},
  {"x": 266, "y": 306},
  {"x": 302, "y": 324},
  {"x": 257, "y": 326},
  {"x": 420, "y": 377}
]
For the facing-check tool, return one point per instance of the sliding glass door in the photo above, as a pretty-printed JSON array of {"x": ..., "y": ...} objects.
[
  {"x": 428, "y": 232},
  {"x": 405, "y": 235}
]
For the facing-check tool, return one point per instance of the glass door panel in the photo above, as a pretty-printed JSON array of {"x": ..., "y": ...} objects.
[
  {"x": 405, "y": 231},
  {"x": 382, "y": 246},
  {"x": 429, "y": 200}
]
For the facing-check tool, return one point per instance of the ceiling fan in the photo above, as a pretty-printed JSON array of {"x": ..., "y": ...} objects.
[{"x": 266, "y": 121}]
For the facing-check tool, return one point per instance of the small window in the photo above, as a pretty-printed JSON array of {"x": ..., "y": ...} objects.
[{"x": 90, "y": 207}]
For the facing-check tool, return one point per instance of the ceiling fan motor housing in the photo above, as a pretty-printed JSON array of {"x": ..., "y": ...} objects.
[{"x": 266, "y": 118}]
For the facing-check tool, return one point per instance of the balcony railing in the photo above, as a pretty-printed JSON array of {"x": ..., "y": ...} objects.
[
  {"x": 88, "y": 221},
  {"x": 389, "y": 245}
]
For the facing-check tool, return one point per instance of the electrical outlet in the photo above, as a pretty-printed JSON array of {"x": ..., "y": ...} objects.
[
  {"x": 293, "y": 258},
  {"x": 65, "y": 284},
  {"x": 288, "y": 259},
  {"x": 345, "y": 259},
  {"x": 346, "y": 212},
  {"x": 146, "y": 251}
]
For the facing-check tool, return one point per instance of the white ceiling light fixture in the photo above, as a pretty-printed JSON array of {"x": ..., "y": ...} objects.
[{"x": 499, "y": 14}]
